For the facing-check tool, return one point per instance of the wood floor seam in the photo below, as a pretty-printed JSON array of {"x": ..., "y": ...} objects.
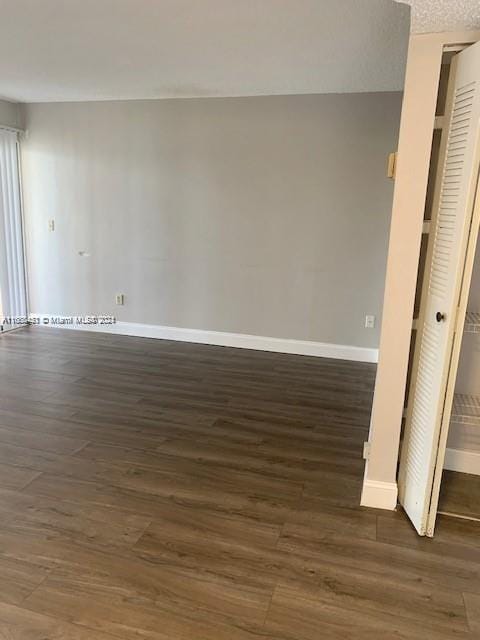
[
  {"x": 47, "y": 574},
  {"x": 26, "y": 485},
  {"x": 269, "y": 605},
  {"x": 104, "y": 635},
  {"x": 81, "y": 448},
  {"x": 466, "y": 612}
]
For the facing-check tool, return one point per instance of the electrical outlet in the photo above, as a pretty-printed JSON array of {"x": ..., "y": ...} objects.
[
  {"x": 51, "y": 225},
  {"x": 369, "y": 322},
  {"x": 120, "y": 299}
]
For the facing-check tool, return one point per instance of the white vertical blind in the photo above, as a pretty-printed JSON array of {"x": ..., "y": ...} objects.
[{"x": 12, "y": 266}]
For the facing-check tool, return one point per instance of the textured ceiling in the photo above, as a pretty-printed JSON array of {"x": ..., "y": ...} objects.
[
  {"x": 63, "y": 50},
  {"x": 444, "y": 15}
]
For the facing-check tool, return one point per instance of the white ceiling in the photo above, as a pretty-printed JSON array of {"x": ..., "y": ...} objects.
[
  {"x": 64, "y": 50},
  {"x": 430, "y": 16}
]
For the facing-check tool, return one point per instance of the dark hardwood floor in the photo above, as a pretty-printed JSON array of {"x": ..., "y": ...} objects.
[
  {"x": 163, "y": 491},
  {"x": 460, "y": 494}
]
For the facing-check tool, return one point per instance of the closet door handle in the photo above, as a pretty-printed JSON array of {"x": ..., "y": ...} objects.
[{"x": 441, "y": 317}]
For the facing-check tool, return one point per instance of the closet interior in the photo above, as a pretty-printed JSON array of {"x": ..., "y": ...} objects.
[{"x": 460, "y": 486}]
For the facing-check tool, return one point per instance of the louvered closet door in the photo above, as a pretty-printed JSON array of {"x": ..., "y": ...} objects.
[{"x": 428, "y": 411}]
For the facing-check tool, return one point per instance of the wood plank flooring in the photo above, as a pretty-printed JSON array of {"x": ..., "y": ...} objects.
[
  {"x": 460, "y": 494},
  {"x": 164, "y": 491}
]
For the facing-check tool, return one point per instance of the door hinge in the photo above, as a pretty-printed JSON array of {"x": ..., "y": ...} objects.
[
  {"x": 366, "y": 450},
  {"x": 392, "y": 165},
  {"x": 426, "y": 226},
  {"x": 457, "y": 317},
  {"x": 439, "y": 122}
]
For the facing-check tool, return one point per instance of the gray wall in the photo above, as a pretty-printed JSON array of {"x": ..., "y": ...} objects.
[
  {"x": 266, "y": 216},
  {"x": 10, "y": 114}
]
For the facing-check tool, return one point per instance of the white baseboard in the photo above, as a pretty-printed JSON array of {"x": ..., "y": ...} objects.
[
  {"x": 379, "y": 495},
  {"x": 463, "y": 461},
  {"x": 224, "y": 339}
]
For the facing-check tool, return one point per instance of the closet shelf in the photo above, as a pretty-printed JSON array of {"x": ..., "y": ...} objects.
[
  {"x": 472, "y": 322},
  {"x": 466, "y": 409}
]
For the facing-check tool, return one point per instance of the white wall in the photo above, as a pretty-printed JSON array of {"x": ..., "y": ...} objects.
[{"x": 266, "y": 216}]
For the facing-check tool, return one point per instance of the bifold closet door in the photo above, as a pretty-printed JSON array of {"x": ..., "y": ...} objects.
[
  {"x": 429, "y": 407},
  {"x": 13, "y": 297}
]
